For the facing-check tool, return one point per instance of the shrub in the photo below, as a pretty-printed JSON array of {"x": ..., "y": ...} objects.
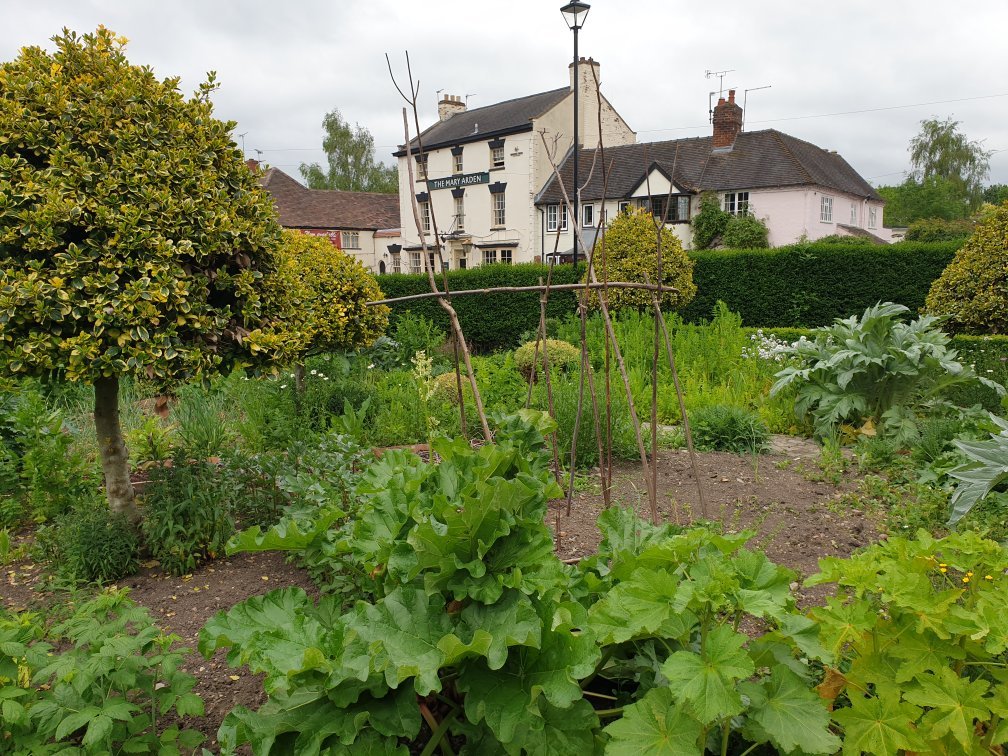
[
  {"x": 709, "y": 223},
  {"x": 416, "y": 333},
  {"x": 104, "y": 680},
  {"x": 186, "y": 520},
  {"x": 721, "y": 427},
  {"x": 561, "y": 355},
  {"x": 629, "y": 247},
  {"x": 939, "y": 230},
  {"x": 446, "y": 388},
  {"x": 746, "y": 232},
  {"x": 973, "y": 290},
  {"x": 90, "y": 545},
  {"x": 321, "y": 294},
  {"x": 875, "y": 368}
]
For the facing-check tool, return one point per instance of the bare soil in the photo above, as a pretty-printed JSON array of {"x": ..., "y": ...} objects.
[{"x": 781, "y": 495}]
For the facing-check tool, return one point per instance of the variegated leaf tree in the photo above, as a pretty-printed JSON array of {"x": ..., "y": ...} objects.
[{"x": 133, "y": 238}]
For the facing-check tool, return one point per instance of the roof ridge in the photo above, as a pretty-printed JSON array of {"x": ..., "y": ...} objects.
[{"x": 515, "y": 99}]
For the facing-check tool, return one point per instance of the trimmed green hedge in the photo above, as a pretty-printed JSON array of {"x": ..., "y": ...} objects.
[
  {"x": 802, "y": 285},
  {"x": 808, "y": 285},
  {"x": 491, "y": 321}
]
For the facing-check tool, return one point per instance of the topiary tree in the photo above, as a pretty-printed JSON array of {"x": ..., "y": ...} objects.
[
  {"x": 324, "y": 293},
  {"x": 631, "y": 244},
  {"x": 972, "y": 292},
  {"x": 709, "y": 223},
  {"x": 746, "y": 232},
  {"x": 559, "y": 354},
  {"x": 133, "y": 238}
]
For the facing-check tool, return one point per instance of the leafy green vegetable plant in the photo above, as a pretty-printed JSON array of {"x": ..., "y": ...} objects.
[
  {"x": 105, "y": 680},
  {"x": 668, "y": 618},
  {"x": 875, "y": 368},
  {"x": 915, "y": 645},
  {"x": 721, "y": 427}
]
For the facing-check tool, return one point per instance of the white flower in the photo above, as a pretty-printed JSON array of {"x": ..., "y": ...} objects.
[
  {"x": 314, "y": 372},
  {"x": 370, "y": 366},
  {"x": 283, "y": 385}
]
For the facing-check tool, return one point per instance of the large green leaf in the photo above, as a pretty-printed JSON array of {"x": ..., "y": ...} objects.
[
  {"x": 881, "y": 725},
  {"x": 641, "y": 607},
  {"x": 287, "y": 535},
  {"x": 489, "y": 630},
  {"x": 708, "y": 680},
  {"x": 789, "y": 714},
  {"x": 403, "y": 632},
  {"x": 654, "y": 726},
  {"x": 307, "y": 721},
  {"x": 507, "y": 697},
  {"x": 559, "y": 732},
  {"x": 954, "y": 703},
  {"x": 277, "y": 633}
]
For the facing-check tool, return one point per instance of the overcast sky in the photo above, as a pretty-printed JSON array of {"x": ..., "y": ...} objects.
[{"x": 856, "y": 77}]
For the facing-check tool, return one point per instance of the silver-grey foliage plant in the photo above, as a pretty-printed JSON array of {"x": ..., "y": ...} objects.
[
  {"x": 875, "y": 367},
  {"x": 986, "y": 469}
]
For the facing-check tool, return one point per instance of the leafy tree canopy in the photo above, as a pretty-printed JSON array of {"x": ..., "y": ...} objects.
[
  {"x": 133, "y": 238},
  {"x": 352, "y": 165},
  {"x": 931, "y": 197},
  {"x": 631, "y": 254},
  {"x": 324, "y": 293},
  {"x": 995, "y": 194},
  {"x": 940, "y": 149}
]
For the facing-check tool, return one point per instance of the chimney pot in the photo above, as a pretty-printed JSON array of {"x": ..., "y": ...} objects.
[
  {"x": 731, "y": 95},
  {"x": 449, "y": 106}
]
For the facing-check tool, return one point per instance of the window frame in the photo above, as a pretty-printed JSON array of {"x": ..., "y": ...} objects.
[
  {"x": 738, "y": 205},
  {"x": 425, "y": 216},
  {"x": 350, "y": 240},
  {"x": 396, "y": 262},
  {"x": 552, "y": 218},
  {"x": 489, "y": 256},
  {"x": 415, "y": 262},
  {"x": 498, "y": 210},
  {"x": 496, "y": 164},
  {"x": 457, "y": 163},
  {"x": 872, "y": 217},
  {"x": 588, "y": 215},
  {"x": 506, "y": 256},
  {"x": 825, "y": 208},
  {"x": 421, "y": 166},
  {"x": 459, "y": 213},
  {"x": 854, "y": 214}
]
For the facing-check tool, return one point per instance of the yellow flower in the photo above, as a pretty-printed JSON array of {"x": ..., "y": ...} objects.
[
  {"x": 988, "y": 577},
  {"x": 969, "y": 573},
  {"x": 942, "y": 564},
  {"x": 943, "y": 570},
  {"x": 966, "y": 579}
]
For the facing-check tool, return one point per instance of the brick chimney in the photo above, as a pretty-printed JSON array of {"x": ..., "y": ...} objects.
[
  {"x": 585, "y": 77},
  {"x": 449, "y": 106},
  {"x": 727, "y": 121}
]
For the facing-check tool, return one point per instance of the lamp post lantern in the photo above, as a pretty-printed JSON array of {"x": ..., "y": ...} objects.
[{"x": 574, "y": 14}]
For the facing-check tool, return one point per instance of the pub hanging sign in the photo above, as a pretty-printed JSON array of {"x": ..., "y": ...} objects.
[{"x": 454, "y": 182}]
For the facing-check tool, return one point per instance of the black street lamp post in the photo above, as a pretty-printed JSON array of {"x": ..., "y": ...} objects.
[{"x": 574, "y": 14}]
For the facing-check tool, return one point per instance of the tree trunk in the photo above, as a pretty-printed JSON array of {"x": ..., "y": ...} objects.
[{"x": 112, "y": 450}]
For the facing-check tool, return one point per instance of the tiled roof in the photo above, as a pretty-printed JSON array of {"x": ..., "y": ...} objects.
[
  {"x": 757, "y": 160},
  {"x": 488, "y": 121},
  {"x": 300, "y": 207}
]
